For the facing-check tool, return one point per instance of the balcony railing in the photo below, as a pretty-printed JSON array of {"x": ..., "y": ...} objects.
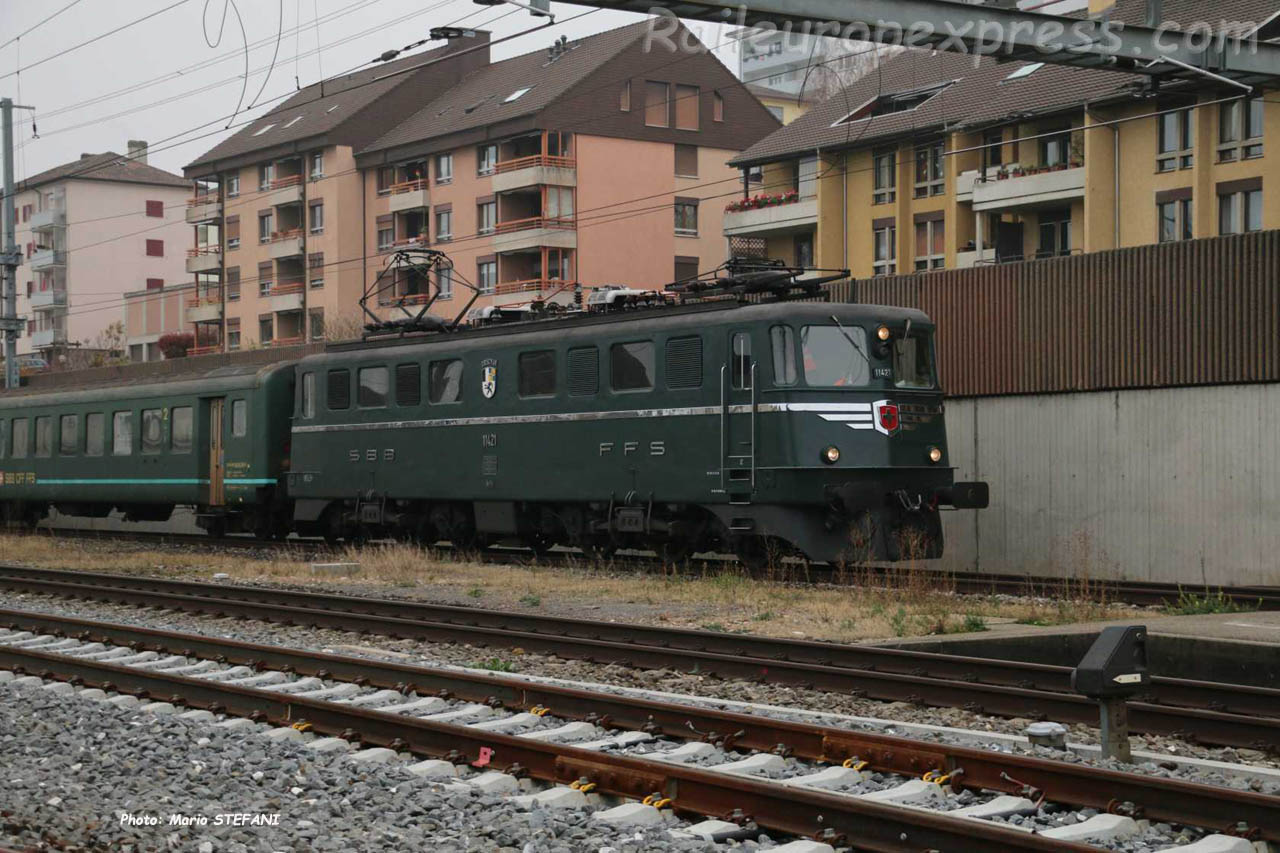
[
  {"x": 277, "y": 236},
  {"x": 530, "y": 285},
  {"x": 536, "y": 160},
  {"x": 762, "y": 200},
  {"x": 284, "y": 288},
  {"x": 286, "y": 342},
  {"x": 409, "y": 186},
  {"x": 201, "y": 251},
  {"x": 202, "y": 198},
  {"x": 211, "y": 297},
  {"x": 204, "y": 350},
  {"x": 535, "y": 222},
  {"x": 287, "y": 181},
  {"x": 407, "y": 242}
]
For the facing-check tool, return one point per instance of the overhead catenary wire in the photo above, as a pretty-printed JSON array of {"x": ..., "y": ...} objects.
[{"x": 39, "y": 24}]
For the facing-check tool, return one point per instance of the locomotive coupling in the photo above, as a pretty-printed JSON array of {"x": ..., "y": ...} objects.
[{"x": 971, "y": 495}]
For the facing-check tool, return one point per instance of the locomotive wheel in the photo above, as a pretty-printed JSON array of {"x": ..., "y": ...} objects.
[
  {"x": 672, "y": 552},
  {"x": 752, "y": 552},
  {"x": 425, "y": 534},
  {"x": 598, "y": 550},
  {"x": 540, "y": 544},
  {"x": 217, "y": 528}
]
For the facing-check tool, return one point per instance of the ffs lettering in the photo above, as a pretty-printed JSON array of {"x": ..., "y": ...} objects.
[{"x": 633, "y": 448}]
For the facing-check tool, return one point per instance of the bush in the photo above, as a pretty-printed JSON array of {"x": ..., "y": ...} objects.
[{"x": 176, "y": 344}]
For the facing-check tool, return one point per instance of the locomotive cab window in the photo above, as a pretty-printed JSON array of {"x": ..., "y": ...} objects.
[
  {"x": 835, "y": 356},
  {"x": 444, "y": 381},
  {"x": 95, "y": 434},
  {"x": 740, "y": 361},
  {"x": 239, "y": 418},
  {"x": 783, "y": 341},
  {"x": 68, "y": 434},
  {"x": 44, "y": 435},
  {"x": 152, "y": 431},
  {"x": 308, "y": 407},
  {"x": 180, "y": 430},
  {"x": 122, "y": 434},
  {"x": 913, "y": 361},
  {"x": 20, "y": 439},
  {"x": 631, "y": 366},
  {"x": 373, "y": 388},
  {"x": 537, "y": 373}
]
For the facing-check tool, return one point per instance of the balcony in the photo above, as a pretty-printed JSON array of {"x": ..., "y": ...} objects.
[
  {"x": 409, "y": 195},
  {"x": 534, "y": 171},
  {"x": 798, "y": 215},
  {"x": 203, "y": 208},
  {"x": 418, "y": 242},
  {"x": 55, "y": 217},
  {"x": 1052, "y": 186},
  {"x": 204, "y": 259},
  {"x": 207, "y": 308},
  {"x": 536, "y": 231},
  {"x": 205, "y": 350},
  {"x": 51, "y": 298},
  {"x": 286, "y": 296},
  {"x": 48, "y": 337},
  {"x": 286, "y": 190},
  {"x": 45, "y": 259},
  {"x": 974, "y": 257},
  {"x": 286, "y": 244}
]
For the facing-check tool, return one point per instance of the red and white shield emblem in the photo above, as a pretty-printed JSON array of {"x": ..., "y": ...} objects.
[{"x": 886, "y": 416}]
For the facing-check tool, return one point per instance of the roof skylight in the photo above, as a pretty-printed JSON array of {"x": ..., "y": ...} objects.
[
  {"x": 332, "y": 108},
  {"x": 264, "y": 129},
  {"x": 896, "y": 102},
  {"x": 1025, "y": 71},
  {"x": 516, "y": 95},
  {"x": 291, "y": 122}
]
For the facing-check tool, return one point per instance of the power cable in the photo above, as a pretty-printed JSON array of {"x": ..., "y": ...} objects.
[{"x": 37, "y": 26}]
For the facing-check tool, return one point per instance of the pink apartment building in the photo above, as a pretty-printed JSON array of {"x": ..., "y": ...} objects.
[{"x": 91, "y": 231}]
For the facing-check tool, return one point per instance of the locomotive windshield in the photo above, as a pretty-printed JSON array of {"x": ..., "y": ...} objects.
[
  {"x": 835, "y": 356},
  {"x": 913, "y": 360}
]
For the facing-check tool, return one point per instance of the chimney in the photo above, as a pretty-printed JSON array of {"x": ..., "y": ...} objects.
[{"x": 138, "y": 150}]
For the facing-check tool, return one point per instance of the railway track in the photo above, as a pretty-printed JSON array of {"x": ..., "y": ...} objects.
[
  {"x": 1137, "y": 593},
  {"x": 1207, "y": 712},
  {"x": 878, "y": 792}
]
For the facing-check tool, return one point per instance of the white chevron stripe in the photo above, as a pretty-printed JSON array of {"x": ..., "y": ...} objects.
[
  {"x": 861, "y": 426},
  {"x": 828, "y": 407},
  {"x": 838, "y": 418}
]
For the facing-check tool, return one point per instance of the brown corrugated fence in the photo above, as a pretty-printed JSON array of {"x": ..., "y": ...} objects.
[{"x": 1197, "y": 312}]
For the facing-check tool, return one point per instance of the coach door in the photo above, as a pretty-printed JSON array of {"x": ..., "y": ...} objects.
[
  {"x": 217, "y": 495},
  {"x": 738, "y": 418}
]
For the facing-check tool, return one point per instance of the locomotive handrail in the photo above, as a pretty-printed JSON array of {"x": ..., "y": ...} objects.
[{"x": 753, "y": 426}]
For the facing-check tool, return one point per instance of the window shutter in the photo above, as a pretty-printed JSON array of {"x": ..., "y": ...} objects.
[
  {"x": 155, "y": 208},
  {"x": 155, "y": 284},
  {"x": 687, "y": 160},
  {"x": 233, "y": 227},
  {"x": 155, "y": 248},
  {"x": 686, "y": 102},
  {"x": 684, "y": 362},
  {"x": 584, "y": 372},
  {"x": 656, "y": 106}
]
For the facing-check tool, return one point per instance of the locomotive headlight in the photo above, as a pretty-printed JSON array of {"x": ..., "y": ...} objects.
[
  {"x": 935, "y": 454},
  {"x": 831, "y": 455},
  {"x": 883, "y": 333}
]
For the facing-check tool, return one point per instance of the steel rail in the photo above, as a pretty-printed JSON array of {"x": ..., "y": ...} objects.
[
  {"x": 1157, "y": 798},
  {"x": 1231, "y": 715},
  {"x": 693, "y": 791}
]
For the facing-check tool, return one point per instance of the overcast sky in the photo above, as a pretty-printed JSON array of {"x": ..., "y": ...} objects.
[{"x": 159, "y": 80}]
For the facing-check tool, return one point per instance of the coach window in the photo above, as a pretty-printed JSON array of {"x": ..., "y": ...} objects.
[
  {"x": 95, "y": 434},
  {"x": 444, "y": 381},
  {"x": 44, "y": 435},
  {"x": 20, "y": 426},
  {"x": 308, "y": 395},
  {"x": 741, "y": 365},
  {"x": 4, "y": 437},
  {"x": 373, "y": 388},
  {"x": 784, "y": 355},
  {"x": 180, "y": 430},
  {"x": 239, "y": 418},
  {"x": 537, "y": 373},
  {"x": 408, "y": 384},
  {"x": 68, "y": 434},
  {"x": 122, "y": 434},
  {"x": 152, "y": 431},
  {"x": 631, "y": 366},
  {"x": 338, "y": 390}
]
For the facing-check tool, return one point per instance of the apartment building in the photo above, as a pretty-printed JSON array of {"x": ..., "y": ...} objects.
[
  {"x": 594, "y": 162},
  {"x": 89, "y": 232},
  {"x": 278, "y": 208},
  {"x": 936, "y": 162}
]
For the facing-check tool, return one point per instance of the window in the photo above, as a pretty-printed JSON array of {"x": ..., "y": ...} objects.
[
  {"x": 885, "y": 261},
  {"x": 233, "y": 232},
  {"x": 993, "y": 147},
  {"x": 717, "y": 107},
  {"x": 317, "y": 217},
  {"x": 687, "y": 98},
  {"x": 783, "y": 341},
  {"x": 18, "y": 449},
  {"x": 68, "y": 427},
  {"x": 486, "y": 217},
  {"x": 317, "y": 165},
  {"x": 264, "y": 227},
  {"x": 835, "y": 356},
  {"x": 233, "y": 185},
  {"x": 517, "y": 94},
  {"x": 897, "y": 102},
  {"x": 121, "y": 433},
  {"x": 155, "y": 209},
  {"x": 656, "y": 104},
  {"x": 444, "y": 381},
  {"x": 487, "y": 276},
  {"x": 1055, "y": 149},
  {"x": 740, "y": 363},
  {"x": 1240, "y": 211},
  {"x": 913, "y": 361},
  {"x": 444, "y": 168},
  {"x": 266, "y": 174},
  {"x": 776, "y": 112},
  {"x": 338, "y": 392},
  {"x": 95, "y": 434},
  {"x": 444, "y": 224},
  {"x": 152, "y": 431},
  {"x": 386, "y": 236},
  {"x": 315, "y": 317},
  {"x": 233, "y": 333},
  {"x": 486, "y": 159},
  {"x": 155, "y": 248},
  {"x": 537, "y": 374},
  {"x": 631, "y": 366},
  {"x": 385, "y": 177},
  {"x": 624, "y": 99},
  {"x": 686, "y": 161},
  {"x": 309, "y": 394},
  {"x": 372, "y": 391},
  {"x": 239, "y": 418},
  {"x": 1173, "y": 143},
  {"x": 686, "y": 268},
  {"x": 315, "y": 269},
  {"x": 444, "y": 281},
  {"x": 1055, "y": 233},
  {"x": 1174, "y": 220},
  {"x": 265, "y": 330},
  {"x": 233, "y": 284},
  {"x": 885, "y": 168},
  {"x": 929, "y": 170},
  {"x": 1240, "y": 129},
  {"x": 684, "y": 362},
  {"x": 1025, "y": 71},
  {"x": 802, "y": 245},
  {"x": 408, "y": 384},
  {"x": 930, "y": 245},
  {"x": 180, "y": 430},
  {"x": 584, "y": 371},
  {"x": 44, "y": 435},
  {"x": 686, "y": 218},
  {"x": 155, "y": 284},
  {"x": 559, "y": 203}
]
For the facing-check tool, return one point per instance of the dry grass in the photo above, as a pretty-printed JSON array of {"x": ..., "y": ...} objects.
[{"x": 905, "y": 602}]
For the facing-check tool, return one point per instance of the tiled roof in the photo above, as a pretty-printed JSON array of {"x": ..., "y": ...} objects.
[
  {"x": 107, "y": 166},
  {"x": 480, "y": 99}
]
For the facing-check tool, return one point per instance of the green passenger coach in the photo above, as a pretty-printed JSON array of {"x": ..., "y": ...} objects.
[{"x": 214, "y": 440}]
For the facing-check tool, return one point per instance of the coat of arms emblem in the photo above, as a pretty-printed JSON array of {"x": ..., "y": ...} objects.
[{"x": 489, "y": 379}]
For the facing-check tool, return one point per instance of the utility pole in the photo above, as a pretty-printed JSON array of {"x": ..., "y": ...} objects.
[{"x": 10, "y": 324}]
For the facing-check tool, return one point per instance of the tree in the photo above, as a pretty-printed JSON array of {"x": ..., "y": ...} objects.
[{"x": 176, "y": 344}]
